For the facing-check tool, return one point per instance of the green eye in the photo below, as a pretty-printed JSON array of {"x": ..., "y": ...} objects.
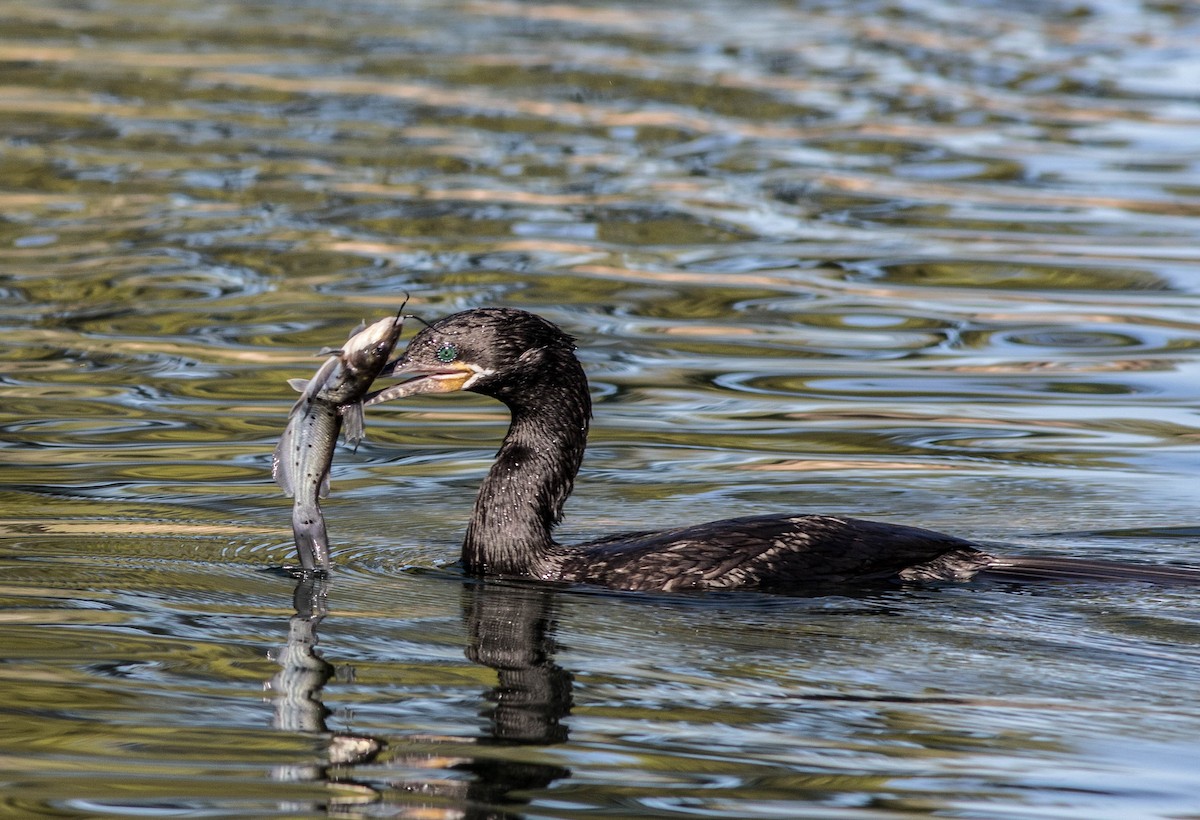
[{"x": 447, "y": 353}]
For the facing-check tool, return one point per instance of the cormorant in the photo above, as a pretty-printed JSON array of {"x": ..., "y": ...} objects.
[{"x": 529, "y": 364}]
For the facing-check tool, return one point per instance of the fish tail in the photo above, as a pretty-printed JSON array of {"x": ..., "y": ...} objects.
[
  {"x": 1029, "y": 568},
  {"x": 312, "y": 542}
]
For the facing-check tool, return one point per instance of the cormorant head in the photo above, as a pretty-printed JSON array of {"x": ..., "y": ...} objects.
[{"x": 500, "y": 352}]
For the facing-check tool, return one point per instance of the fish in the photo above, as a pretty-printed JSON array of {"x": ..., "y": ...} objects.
[{"x": 331, "y": 402}]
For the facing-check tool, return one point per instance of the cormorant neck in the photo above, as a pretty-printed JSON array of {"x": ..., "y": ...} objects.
[{"x": 521, "y": 499}]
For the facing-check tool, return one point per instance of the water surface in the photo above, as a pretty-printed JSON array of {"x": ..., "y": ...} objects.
[{"x": 926, "y": 262}]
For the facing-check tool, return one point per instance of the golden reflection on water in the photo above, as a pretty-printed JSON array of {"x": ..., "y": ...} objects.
[{"x": 931, "y": 262}]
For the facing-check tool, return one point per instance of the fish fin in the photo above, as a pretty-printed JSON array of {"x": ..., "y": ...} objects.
[
  {"x": 352, "y": 424},
  {"x": 283, "y": 467},
  {"x": 323, "y": 491},
  {"x": 330, "y": 351},
  {"x": 362, "y": 325},
  {"x": 299, "y": 385},
  {"x": 317, "y": 383}
]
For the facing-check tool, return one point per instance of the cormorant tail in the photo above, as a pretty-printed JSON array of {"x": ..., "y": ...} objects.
[{"x": 1031, "y": 568}]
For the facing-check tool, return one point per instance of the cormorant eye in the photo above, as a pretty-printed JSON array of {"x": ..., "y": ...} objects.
[{"x": 447, "y": 353}]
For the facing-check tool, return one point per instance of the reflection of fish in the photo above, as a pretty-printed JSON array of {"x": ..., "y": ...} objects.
[{"x": 331, "y": 401}]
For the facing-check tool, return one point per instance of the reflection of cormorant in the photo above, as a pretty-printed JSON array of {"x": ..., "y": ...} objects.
[
  {"x": 530, "y": 365},
  {"x": 509, "y": 629}
]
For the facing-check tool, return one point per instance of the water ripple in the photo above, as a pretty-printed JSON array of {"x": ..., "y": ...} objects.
[{"x": 929, "y": 262}]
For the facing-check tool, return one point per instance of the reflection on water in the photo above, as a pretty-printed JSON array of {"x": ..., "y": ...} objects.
[
  {"x": 509, "y": 629},
  {"x": 926, "y": 261}
]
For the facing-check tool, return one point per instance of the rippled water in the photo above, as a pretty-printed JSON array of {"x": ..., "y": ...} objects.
[{"x": 919, "y": 261}]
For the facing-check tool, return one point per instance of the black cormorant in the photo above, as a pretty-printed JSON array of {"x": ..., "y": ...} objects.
[{"x": 529, "y": 364}]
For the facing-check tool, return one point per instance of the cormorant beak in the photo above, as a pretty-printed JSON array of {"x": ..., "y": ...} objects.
[{"x": 447, "y": 379}]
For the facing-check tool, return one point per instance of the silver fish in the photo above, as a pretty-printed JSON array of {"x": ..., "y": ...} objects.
[{"x": 330, "y": 402}]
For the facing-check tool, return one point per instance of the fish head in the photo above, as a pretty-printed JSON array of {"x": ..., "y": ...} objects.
[{"x": 369, "y": 348}]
